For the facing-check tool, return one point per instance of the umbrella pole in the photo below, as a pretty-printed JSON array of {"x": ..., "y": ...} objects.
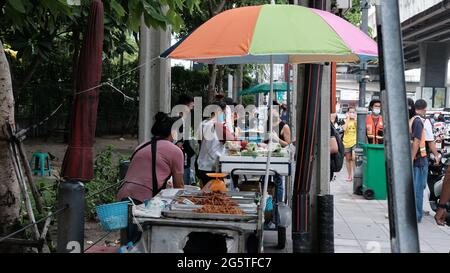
[{"x": 269, "y": 152}]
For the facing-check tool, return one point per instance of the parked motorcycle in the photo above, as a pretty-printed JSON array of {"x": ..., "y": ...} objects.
[{"x": 435, "y": 181}]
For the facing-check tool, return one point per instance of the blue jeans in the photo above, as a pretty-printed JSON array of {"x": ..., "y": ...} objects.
[
  {"x": 279, "y": 187},
  {"x": 279, "y": 190},
  {"x": 187, "y": 176},
  {"x": 420, "y": 181}
]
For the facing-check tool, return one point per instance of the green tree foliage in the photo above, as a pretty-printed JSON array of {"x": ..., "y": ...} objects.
[
  {"x": 354, "y": 15},
  {"x": 192, "y": 82},
  {"x": 248, "y": 100},
  {"x": 32, "y": 27},
  {"x": 47, "y": 36},
  {"x": 106, "y": 174}
]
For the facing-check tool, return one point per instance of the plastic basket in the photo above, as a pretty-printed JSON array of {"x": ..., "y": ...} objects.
[{"x": 113, "y": 216}]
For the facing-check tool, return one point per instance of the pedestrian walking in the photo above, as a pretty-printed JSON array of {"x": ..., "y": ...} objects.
[{"x": 349, "y": 141}]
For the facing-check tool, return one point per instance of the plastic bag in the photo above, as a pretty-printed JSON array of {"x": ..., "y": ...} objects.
[
  {"x": 152, "y": 209},
  {"x": 284, "y": 215}
]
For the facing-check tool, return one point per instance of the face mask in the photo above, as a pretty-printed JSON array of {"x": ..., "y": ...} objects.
[
  {"x": 352, "y": 115},
  {"x": 221, "y": 118},
  {"x": 376, "y": 111}
]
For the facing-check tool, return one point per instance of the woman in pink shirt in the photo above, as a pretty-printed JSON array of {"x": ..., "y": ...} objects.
[{"x": 140, "y": 179}]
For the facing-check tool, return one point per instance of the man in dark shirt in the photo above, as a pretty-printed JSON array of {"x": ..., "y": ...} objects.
[
  {"x": 184, "y": 144},
  {"x": 418, "y": 153}
]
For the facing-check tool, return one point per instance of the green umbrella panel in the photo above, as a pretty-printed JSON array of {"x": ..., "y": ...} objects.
[{"x": 265, "y": 88}]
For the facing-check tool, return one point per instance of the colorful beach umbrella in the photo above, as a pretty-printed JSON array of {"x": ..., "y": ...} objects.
[
  {"x": 265, "y": 88},
  {"x": 288, "y": 33}
]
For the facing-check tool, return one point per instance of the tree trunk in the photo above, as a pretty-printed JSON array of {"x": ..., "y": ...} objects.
[
  {"x": 237, "y": 81},
  {"x": 240, "y": 80},
  {"x": 212, "y": 82},
  {"x": 9, "y": 186},
  {"x": 220, "y": 70}
]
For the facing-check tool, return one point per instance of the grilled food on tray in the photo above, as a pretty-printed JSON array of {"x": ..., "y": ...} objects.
[
  {"x": 215, "y": 202},
  {"x": 220, "y": 209}
]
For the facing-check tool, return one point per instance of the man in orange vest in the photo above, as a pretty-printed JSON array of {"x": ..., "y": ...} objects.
[
  {"x": 419, "y": 155},
  {"x": 374, "y": 124}
]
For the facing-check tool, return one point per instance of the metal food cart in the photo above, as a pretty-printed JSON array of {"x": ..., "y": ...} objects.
[{"x": 182, "y": 230}]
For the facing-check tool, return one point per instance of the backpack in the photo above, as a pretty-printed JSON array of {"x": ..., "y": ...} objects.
[{"x": 337, "y": 160}]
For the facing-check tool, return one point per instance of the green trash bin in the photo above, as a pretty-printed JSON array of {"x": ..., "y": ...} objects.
[{"x": 374, "y": 172}]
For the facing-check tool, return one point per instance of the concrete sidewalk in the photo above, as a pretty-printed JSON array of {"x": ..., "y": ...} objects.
[{"x": 361, "y": 226}]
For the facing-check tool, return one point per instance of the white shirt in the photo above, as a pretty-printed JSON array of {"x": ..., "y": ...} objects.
[
  {"x": 229, "y": 119},
  {"x": 211, "y": 149},
  {"x": 429, "y": 136}
]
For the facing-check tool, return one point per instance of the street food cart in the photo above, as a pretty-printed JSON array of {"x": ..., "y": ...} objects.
[
  {"x": 184, "y": 228},
  {"x": 238, "y": 163}
]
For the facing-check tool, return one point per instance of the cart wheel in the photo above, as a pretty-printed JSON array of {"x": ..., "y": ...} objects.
[
  {"x": 369, "y": 194},
  {"x": 281, "y": 237}
]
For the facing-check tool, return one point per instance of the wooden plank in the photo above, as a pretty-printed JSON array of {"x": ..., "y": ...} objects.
[
  {"x": 36, "y": 195},
  {"x": 20, "y": 178}
]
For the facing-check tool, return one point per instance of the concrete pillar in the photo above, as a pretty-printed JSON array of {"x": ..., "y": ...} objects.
[
  {"x": 154, "y": 78},
  {"x": 324, "y": 132},
  {"x": 433, "y": 62}
]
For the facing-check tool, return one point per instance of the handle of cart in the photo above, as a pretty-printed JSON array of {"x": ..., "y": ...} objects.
[{"x": 245, "y": 172}]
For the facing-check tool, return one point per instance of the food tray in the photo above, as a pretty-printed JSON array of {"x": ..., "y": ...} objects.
[
  {"x": 239, "y": 197},
  {"x": 247, "y": 208},
  {"x": 208, "y": 216},
  {"x": 233, "y": 195}
]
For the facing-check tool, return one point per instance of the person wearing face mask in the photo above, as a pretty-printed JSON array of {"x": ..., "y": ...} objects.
[
  {"x": 374, "y": 124},
  {"x": 214, "y": 134},
  {"x": 349, "y": 141}
]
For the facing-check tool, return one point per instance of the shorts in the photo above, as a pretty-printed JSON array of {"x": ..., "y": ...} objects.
[{"x": 350, "y": 150}]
